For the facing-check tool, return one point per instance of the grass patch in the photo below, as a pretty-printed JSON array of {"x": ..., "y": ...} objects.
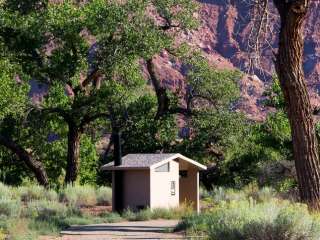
[
  {"x": 29, "y": 211},
  {"x": 104, "y": 196},
  {"x": 9, "y": 208},
  {"x": 250, "y": 219},
  {"x": 158, "y": 213},
  {"x": 79, "y": 196}
]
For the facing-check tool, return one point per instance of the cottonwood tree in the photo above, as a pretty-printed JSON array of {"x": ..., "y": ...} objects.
[
  {"x": 210, "y": 94},
  {"x": 13, "y": 110},
  {"x": 289, "y": 68},
  {"x": 53, "y": 43}
]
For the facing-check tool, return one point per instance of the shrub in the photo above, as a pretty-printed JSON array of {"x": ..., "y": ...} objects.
[
  {"x": 143, "y": 215},
  {"x": 30, "y": 193},
  {"x": 2, "y": 234},
  {"x": 220, "y": 194},
  {"x": 162, "y": 213},
  {"x": 49, "y": 227},
  {"x": 265, "y": 194},
  {"x": 112, "y": 218},
  {"x": 6, "y": 192},
  {"x": 45, "y": 210},
  {"x": 10, "y": 208},
  {"x": 79, "y": 196},
  {"x": 51, "y": 195},
  {"x": 172, "y": 213},
  {"x": 104, "y": 196},
  {"x": 259, "y": 221},
  {"x": 129, "y": 215},
  {"x": 18, "y": 229}
]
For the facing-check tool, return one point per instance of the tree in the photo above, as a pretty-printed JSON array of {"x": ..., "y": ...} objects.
[
  {"x": 51, "y": 41},
  {"x": 13, "y": 105},
  {"x": 289, "y": 59}
]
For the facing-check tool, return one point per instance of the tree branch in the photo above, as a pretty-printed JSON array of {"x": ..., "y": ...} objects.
[
  {"x": 34, "y": 165},
  {"x": 64, "y": 114},
  {"x": 88, "y": 119}
]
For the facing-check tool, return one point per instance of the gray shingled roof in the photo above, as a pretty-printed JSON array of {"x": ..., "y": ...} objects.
[{"x": 141, "y": 160}]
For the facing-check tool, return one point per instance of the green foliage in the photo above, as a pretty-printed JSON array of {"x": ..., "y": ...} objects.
[
  {"x": 246, "y": 219},
  {"x": 52, "y": 42},
  {"x": 6, "y": 192},
  {"x": 252, "y": 191},
  {"x": 104, "y": 196},
  {"x": 173, "y": 213},
  {"x": 170, "y": 10},
  {"x": 218, "y": 87},
  {"x": 78, "y": 195},
  {"x": 143, "y": 133},
  {"x": 31, "y": 192},
  {"x": 18, "y": 229},
  {"x": 45, "y": 210},
  {"x": 159, "y": 213},
  {"x": 143, "y": 215},
  {"x": 274, "y": 95},
  {"x": 261, "y": 144},
  {"x": 13, "y": 100},
  {"x": 9, "y": 208},
  {"x": 42, "y": 214},
  {"x": 89, "y": 162}
]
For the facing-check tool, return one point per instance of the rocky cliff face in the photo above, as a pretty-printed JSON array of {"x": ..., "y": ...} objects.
[{"x": 223, "y": 37}]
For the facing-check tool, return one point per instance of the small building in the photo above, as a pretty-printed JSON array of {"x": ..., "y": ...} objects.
[{"x": 154, "y": 181}]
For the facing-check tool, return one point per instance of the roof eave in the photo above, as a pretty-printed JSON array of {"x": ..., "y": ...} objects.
[
  {"x": 113, "y": 168},
  {"x": 180, "y": 156}
]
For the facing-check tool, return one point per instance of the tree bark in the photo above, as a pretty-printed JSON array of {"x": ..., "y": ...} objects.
[
  {"x": 290, "y": 72},
  {"x": 73, "y": 155},
  {"x": 161, "y": 92},
  {"x": 34, "y": 165}
]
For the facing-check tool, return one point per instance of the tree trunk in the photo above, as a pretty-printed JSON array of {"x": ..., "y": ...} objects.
[
  {"x": 298, "y": 106},
  {"x": 34, "y": 165},
  {"x": 73, "y": 155},
  {"x": 161, "y": 92}
]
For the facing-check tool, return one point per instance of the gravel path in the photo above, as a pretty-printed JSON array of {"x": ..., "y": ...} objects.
[{"x": 155, "y": 229}]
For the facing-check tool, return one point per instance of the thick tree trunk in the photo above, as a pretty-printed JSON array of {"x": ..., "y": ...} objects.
[
  {"x": 291, "y": 75},
  {"x": 73, "y": 155},
  {"x": 161, "y": 92},
  {"x": 34, "y": 165}
]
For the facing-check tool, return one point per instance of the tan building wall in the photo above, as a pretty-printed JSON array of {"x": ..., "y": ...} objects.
[
  {"x": 160, "y": 183},
  {"x": 189, "y": 188},
  {"x": 136, "y": 189},
  {"x": 149, "y": 188}
]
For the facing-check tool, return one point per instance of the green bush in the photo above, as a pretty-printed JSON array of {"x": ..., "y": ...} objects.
[
  {"x": 18, "y": 229},
  {"x": 158, "y": 213},
  {"x": 9, "y": 208},
  {"x": 104, "y": 196},
  {"x": 221, "y": 194},
  {"x": 259, "y": 221},
  {"x": 51, "y": 195},
  {"x": 45, "y": 210},
  {"x": 144, "y": 215},
  {"x": 129, "y": 215},
  {"x": 30, "y": 193},
  {"x": 6, "y": 192},
  {"x": 112, "y": 218},
  {"x": 162, "y": 213},
  {"x": 78, "y": 196}
]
